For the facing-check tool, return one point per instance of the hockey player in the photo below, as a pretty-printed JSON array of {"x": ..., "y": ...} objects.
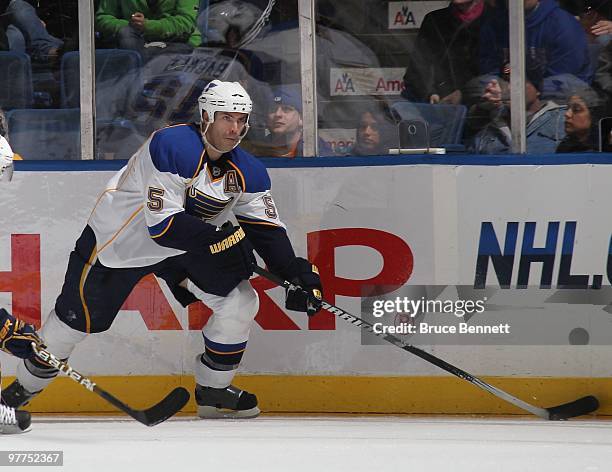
[
  {"x": 159, "y": 215},
  {"x": 16, "y": 336},
  {"x": 6, "y": 159}
]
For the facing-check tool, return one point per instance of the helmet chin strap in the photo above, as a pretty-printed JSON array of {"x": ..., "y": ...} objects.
[
  {"x": 208, "y": 143},
  {"x": 245, "y": 130}
]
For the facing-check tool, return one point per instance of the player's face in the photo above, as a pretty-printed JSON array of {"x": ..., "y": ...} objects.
[
  {"x": 577, "y": 116},
  {"x": 284, "y": 119},
  {"x": 226, "y": 130},
  {"x": 368, "y": 134}
]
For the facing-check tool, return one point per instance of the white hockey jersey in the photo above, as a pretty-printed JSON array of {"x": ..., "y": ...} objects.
[{"x": 170, "y": 175}]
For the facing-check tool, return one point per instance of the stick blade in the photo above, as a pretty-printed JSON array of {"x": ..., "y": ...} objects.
[
  {"x": 163, "y": 410},
  {"x": 582, "y": 406}
]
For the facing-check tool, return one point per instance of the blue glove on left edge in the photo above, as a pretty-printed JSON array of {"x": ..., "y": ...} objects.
[{"x": 17, "y": 336}]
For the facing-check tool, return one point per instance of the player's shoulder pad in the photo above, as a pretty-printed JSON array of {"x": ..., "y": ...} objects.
[
  {"x": 177, "y": 149},
  {"x": 253, "y": 172}
]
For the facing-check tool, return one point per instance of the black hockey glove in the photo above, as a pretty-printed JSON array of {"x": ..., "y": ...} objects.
[
  {"x": 17, "y": 336},
  {"x": 233, "y": 253},
  {"x": 306, "y": 275}
]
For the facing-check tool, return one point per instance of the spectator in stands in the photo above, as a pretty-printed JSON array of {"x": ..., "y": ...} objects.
[
  {"x": 596, "y": 19},
  {"x": 374, "y": 135},
  {"x": 165, "y": 24},
  {"x": 545, "y": 125},
  {"x": 284, "y": 126},
  {"x": 27, "y": 33},
  {"x": 584, "y": 110},
  {"x": 445, "y": 56},
  {"x": 232, "y": 23},
  {"x": 556, "y": 43},
  {"x": 285, "y": 122},
  {"x": 603, "y": 74}
]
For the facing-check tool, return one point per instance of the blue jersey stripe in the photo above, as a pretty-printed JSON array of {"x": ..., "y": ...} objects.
[
  {"x": 218, "y": 347},
  {"x": 160, "y": 228}
]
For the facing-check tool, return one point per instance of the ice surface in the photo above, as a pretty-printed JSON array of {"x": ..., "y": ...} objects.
[{"x": 321, "y": 444}]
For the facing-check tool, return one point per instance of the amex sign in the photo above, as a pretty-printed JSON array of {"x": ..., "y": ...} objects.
[{"x": 366, "y": 81}]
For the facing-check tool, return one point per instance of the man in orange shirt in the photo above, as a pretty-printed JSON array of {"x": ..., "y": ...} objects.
[
  {"x": 284, "y": 122},
  {"x": 284, "y": 126}
]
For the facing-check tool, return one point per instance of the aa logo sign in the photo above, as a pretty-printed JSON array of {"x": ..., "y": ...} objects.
[{"x": 409, "y": 15}]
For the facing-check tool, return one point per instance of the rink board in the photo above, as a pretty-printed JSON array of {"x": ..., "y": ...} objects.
[
  {"x": 356, "y": 223},
  {"x": 336, "y": 394}
]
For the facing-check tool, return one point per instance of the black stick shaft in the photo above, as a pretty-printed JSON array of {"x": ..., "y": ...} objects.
[
  {"x": 150, "y": 417},
  {"x": 585, "y": 405}
]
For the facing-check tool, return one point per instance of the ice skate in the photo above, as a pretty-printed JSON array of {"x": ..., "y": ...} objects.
[
  {"x": 229, "y": 402},
  {"x": 15, "y": 395},
  {"x": 14, "y": 421}
]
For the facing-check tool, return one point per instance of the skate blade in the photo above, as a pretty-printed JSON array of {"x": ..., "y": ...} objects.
[
  {"x": 14, "y": 430},
  {"x": 211, "y": 413}
]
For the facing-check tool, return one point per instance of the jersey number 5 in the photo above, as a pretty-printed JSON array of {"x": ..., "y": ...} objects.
[
  {"x": 155, "y": 202},
  {"x": 270, "y": 208}
]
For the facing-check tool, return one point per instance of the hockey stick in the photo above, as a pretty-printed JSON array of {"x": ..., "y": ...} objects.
[
  {"x": 581, "y": 406},
  {"x": 159, "y": 412}
]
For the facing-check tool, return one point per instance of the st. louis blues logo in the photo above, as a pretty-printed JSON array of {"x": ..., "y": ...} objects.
[{"x": 203, "y": 206}]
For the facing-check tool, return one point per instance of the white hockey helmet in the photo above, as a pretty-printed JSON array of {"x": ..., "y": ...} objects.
[
  {"x": 230, "y": 97},
  {"x": 224, "y": 96}
]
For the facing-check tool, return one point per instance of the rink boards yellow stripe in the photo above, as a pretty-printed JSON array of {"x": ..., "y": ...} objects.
[{"x": 336, "y": 394}]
